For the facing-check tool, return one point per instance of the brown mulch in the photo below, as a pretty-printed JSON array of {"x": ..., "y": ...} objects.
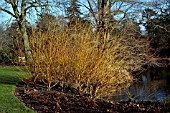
[{"x": 55, "y": 101}]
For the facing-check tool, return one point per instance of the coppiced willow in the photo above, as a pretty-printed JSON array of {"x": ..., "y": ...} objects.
[{"x": 77, "y": 57}]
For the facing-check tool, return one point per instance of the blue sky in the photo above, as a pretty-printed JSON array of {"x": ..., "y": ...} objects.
[{"x": 6, "y": 19}]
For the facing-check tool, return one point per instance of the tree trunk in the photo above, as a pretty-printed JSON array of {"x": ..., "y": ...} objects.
[
  {"x": 26, "y": 42},
  {"x": 22, "y": 26},
  {"x": 101, "y": 28}
]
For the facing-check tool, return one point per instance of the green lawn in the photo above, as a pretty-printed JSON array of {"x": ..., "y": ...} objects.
[{"x": 9, "y": 76}]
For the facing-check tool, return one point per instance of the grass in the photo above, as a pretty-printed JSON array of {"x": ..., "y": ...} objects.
[{"x": 9, "y": 76}]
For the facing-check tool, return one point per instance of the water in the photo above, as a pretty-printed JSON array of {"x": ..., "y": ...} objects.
[
  {"x": 153, "y": 85},
  {"x": 161, "y": 94}
]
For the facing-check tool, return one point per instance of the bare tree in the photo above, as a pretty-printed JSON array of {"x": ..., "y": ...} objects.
[
  {"x": 20, "y": 8},
  {"x": 104, "y": 11}
]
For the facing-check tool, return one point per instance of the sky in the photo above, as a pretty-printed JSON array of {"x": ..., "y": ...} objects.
[{"x": 6, "y": 19}]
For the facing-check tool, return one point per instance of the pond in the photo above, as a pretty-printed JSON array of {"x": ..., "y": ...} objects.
[{"x": 152, "y": 85}]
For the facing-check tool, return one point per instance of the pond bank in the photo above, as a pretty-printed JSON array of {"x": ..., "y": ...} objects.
[
  {"x": 54, "y": 101},
  {"x": 153, "y": 84}
]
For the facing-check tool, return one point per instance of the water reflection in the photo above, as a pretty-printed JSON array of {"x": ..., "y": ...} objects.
[
  {"x": 153, "y": 85},
  {"x": 161, "y": 94},
  {"x": 144, "y": 79}
]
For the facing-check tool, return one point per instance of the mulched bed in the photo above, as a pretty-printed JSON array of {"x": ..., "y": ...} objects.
[{"x": 58, "y": 102}]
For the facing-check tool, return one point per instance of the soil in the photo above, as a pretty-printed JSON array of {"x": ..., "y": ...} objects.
[{"x": 56, "y": 101}]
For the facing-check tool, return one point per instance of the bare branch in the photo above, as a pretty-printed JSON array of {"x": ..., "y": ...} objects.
[
  {"x": 7, "y": 1},
  {"x": 35, "y": 4},
  {"x": 15, "y": 9},
  {"x": 90, "y": 9},
  {"x": 158, "y": 26},
  {"x": 1, "y": 9},
  {"x": 31, "y": 6},
  {"x": 23, "y": 5}
]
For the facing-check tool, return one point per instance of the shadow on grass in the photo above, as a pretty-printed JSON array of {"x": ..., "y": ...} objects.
[
  {"x": 12, "y": 75},
  {"x": 8, "y": 79}
]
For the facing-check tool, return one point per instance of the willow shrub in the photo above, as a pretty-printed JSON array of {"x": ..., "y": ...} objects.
[{"x": 75, "y": 57}]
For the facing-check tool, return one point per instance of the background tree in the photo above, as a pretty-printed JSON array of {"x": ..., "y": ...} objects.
[
  {"x": 108, "y": 12},
  {"x": 20, "y": 8},
  {"x": 6, "y": 47},
  {"x": 76, "y": 19},
  {"x": 73, "y": 12},
  {"x": 157, "y": 26},
  {"x": 159, "y": 29},
  {"x": 45, "y": 20}
]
